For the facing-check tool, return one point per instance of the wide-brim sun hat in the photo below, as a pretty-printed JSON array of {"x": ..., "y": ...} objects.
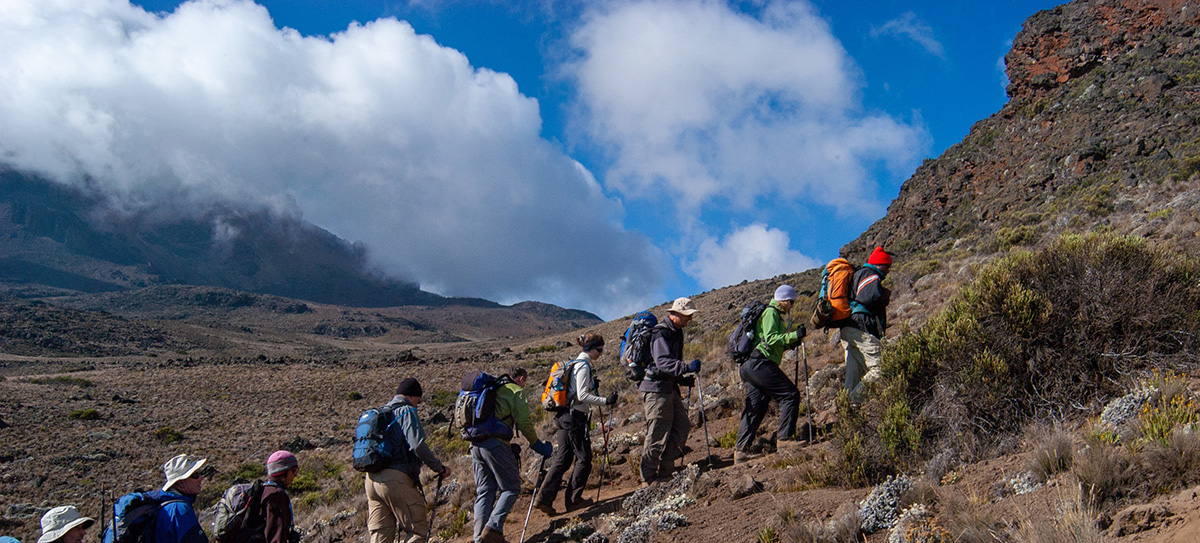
[
  {"x": 684, "y": 306},
  {"x": 60, "y": 520},
  {"x": 179, "y": 468}
]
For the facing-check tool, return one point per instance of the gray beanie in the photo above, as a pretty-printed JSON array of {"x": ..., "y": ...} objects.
[{"x": 786, "y": 292}]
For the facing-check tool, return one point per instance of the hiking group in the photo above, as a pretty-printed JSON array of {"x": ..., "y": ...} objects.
[{"x": 390, "y": 444}]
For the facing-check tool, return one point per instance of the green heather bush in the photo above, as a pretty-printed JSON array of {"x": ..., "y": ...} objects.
[
  {"x": 1034, "y": 332},
  {"x": 167, "y": 435},
  {"x": 85, "y": 414},
  {"x": 62, "y": 380}
]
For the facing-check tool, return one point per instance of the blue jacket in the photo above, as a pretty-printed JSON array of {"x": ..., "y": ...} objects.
[{"x": 177, "y": 523}]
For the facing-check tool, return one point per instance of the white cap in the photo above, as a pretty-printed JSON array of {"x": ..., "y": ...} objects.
[
  {"x": 58, "y": 521},
  {"x": 683, "y": 306},
  {"x": 179, "y": 468}
]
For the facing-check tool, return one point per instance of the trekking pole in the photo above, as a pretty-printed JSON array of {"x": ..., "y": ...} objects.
[
  {"x": 703, "y": 420},
  {"x": 603, "y": 459},
  {"x": 807, "y": 399},
  {"x": 433, "y": 510},
  {"x": 541, "y": 480}
]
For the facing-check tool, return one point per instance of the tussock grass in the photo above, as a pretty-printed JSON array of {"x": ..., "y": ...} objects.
[{"x": 1053, "y": 452}]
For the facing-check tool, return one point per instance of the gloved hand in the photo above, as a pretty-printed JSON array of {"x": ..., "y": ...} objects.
[
  {"x": 694, "y": 367},
  {"x": 611, "y": 400},
  {"x": 542, "y": 448}
]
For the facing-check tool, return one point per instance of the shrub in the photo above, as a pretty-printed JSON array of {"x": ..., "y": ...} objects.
[
  {"x": 458, "y": 525},
  {"x": 62, "y": 380},
  {"x": 248, "y": 471},
  {"x": 541, "y": 349},
  {"x": 167, "y": 435},
  {"x": 1105, "y": 474},
  {"x": 728, "y": 439},
  {"x": 1053, "y": 453},
  {"x": 305, "y": 481},
  {"x": 1165, "y": 468},
  {"x": 441, "y": 398},
  {"x": 85, "y": 414},
  {"x": 767, "y": 534},
  {"x": 354, "y": 396},
  {"x": 1033, "y": 332}
]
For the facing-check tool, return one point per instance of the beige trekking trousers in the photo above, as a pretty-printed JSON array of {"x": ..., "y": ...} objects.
[
  {"x": 393, "y": 498},
  {"x": 862, "y": 359}
]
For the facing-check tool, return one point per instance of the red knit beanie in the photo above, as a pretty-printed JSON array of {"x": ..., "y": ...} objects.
[{"x": 879, "y": 257}]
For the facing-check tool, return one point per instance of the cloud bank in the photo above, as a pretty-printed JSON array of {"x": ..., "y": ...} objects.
[
  {"x": 753, "y": 252},
  {"x": 712, "y": 109},
  {"x": 376, "y": 134}
]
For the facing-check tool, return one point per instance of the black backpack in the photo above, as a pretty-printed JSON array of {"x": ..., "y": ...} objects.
[
  {"x": 742, "y": 341},
  {"x": 635, "y": 347}
]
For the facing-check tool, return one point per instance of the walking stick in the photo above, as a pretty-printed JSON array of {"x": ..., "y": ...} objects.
[
  {"x": 703, "y": 420},
  {"x": 433, "y": 510},
  {"x": 807, "y": 400},
  {"x": 541, "y": 479},
  {"x": 603, "y": 459}
]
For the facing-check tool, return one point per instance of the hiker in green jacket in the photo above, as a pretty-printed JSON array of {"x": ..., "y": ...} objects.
[
  {"x": 764, "y": 380},
  {"x": 497, "y": 462}
]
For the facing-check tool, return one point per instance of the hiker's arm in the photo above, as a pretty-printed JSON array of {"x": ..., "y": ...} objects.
[
  {"x": 582, "y": 378},
  {"x": 414, "y": 435},
  {"x": 870, "y": 293},
  {"x": 520, "y": 415},
  {"x": 279, "y": 518},
  {"x": 774, "y": 332},
  {"x": 664, "y": 363}
]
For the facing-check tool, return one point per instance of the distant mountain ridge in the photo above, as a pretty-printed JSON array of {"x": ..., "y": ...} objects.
[{"x": 58, "y": 239}]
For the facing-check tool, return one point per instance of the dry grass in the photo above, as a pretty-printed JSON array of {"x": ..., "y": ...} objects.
[
  {"x": 844, "y": 528},
  {"x": 969, "y": 520},
  {"x": 1071, "y": 520},
  {"x": 1053, "y": 452},
  {"x": 1105, "y": 474}
]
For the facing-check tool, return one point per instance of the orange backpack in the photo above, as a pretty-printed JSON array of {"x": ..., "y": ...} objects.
[
  {"x": 555, "y": 395},
  {"x": 833, "y": 302}
]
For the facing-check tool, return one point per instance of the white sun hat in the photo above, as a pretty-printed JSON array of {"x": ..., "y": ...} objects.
[
  {"x": 58, "y": 521},
  {"x": 179, "y": 468}
]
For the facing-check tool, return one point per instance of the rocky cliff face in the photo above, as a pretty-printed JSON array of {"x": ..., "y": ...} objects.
[{"x": 1102, "y": 131}]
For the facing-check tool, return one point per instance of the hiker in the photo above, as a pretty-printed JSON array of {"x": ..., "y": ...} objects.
[
  {"x": 176, "y": 520},
  {"x": 62, "y": 524},
  {"x": 765, "y": 381},
  {"x": 282, "y": 468},
  {"x": 667, "y": 423},
  {"x": 497, "y": 461},
  {"x": 573, "y": 442},
  {"x": 862, "y": 331},
  {"x": 394, "y": 495}
]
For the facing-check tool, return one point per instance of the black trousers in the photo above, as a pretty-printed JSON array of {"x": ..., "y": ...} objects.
[
  {"x": 572, "y": 446},
  {"x": 765, "y": 381}
]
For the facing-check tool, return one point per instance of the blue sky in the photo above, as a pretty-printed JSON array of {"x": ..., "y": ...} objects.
[{"x": 607, "y": 156}]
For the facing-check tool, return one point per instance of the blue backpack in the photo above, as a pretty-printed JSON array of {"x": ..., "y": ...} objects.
[
  {"x": 635, "y": 347},
  {"x": 372, "y": 451},
  {"x": 134, "y": 515},
  {"x": 475, "y": 408}
]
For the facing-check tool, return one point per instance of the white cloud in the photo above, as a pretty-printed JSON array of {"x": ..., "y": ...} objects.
[
  {"x": 706, "y": 105},
  {"x": 753, "y": 252},
  {"x": 910, "y": 26},
  {"x": 375, "y": 133}
]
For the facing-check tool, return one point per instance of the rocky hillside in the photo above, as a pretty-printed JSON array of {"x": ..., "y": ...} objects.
[{"x": 1101, "y": 132}]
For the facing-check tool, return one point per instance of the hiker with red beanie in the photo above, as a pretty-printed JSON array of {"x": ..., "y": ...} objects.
[
  {"x": 862, "y": 331},
  {"x": 282, "y": 468}
]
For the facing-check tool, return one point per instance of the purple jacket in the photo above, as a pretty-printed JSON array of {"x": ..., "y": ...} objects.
[{"x": 666, "y": 349}]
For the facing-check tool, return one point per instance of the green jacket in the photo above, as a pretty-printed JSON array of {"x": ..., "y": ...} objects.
[
  {"x": 774, "y": 337},
  {"x": 513, "y": 410}
]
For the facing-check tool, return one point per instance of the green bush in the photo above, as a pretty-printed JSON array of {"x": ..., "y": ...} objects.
[
  {"x": 62, "y": 380},
  {"x": 167, "y": 435},
  {"x": 541, "y": 349},
  {"x": 85, "y": 414},
  {"x": 354, "y": 396},
  {"x": 249, "y": 471},
  {"x": 1033, "y": 332}
]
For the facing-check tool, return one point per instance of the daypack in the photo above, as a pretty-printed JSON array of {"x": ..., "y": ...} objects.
[
  {"x": 475, "y": 409},
  {"x": 237, "y": 518},
  {"x": 833, "y": 300},
  {"x": 635, "y": 347},
  {"x": 134, "y": 515},
  {"x": 556, "y": 394},
  {"x": 742, "y": 340},
  {"x": 372, "y": 452}
]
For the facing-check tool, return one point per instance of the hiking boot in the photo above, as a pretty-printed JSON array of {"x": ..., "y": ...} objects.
[
  {"x": 545, "y": 508},
  {"x": 583, "y": 503},
  {"x": 741, "y": 457},
  {"x": 491, "y": 536}
]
